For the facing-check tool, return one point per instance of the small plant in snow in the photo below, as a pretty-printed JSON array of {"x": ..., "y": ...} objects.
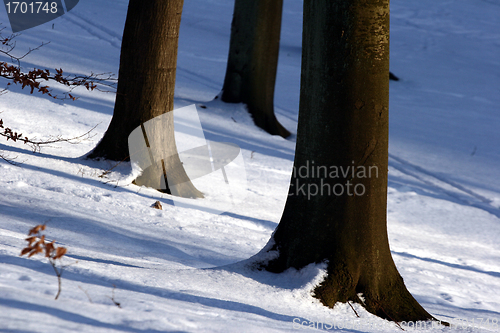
[{"x": 37, "y": 244}]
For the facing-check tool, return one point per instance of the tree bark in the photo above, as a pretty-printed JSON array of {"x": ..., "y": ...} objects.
[
  {"x": 343, "y": 126},
  {"x": 253, "y": 61},
  {"x": 146, "y": 84}
]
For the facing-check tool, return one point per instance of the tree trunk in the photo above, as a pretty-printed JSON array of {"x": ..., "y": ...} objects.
[
  {"x": 146, "y": 84},
  {"x": 336, "y": 209},
  {"x": 253, "y": 60}
]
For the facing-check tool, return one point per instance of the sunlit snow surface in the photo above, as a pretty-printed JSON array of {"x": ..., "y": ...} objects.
[{"x": 181, "y": 269}]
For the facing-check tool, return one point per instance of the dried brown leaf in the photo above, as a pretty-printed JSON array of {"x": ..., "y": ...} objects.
[
  {"x": 31, "y": 239},
  {"x": 26, "y": 250},
  {"x": 60, "y": 252},
  {"x": 49, "y": 248},
  {"x": 36, "y": 229}
]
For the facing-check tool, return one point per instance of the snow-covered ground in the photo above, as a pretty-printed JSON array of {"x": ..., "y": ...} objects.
[{"x": 181, "y": 269}]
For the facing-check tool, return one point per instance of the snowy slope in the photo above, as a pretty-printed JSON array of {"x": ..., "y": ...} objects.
[{"x": 183, "y": 270}]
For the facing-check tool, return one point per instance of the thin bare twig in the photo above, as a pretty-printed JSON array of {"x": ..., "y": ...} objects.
[
  {"x": 389, "y": 316},
  {"x": 117, "y": 164},
  {"x": 353, "y": 308},
  {"x": 112, "y": 298},
  {"x": 86, "y": 293},
  {"x": 10, "y": 161}
]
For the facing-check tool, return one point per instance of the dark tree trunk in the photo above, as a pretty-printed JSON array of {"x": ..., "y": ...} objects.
[
  {"x": 253, "y": 60},
  {"x": 343, "y": 122},
  {"x": 147, "y": 72},
  {"x": 146, "y": 83}
]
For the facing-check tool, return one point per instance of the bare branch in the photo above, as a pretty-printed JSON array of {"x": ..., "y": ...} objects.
[
  {"x": 10, "y": 161},
  {"x": 9, "y": 134},
  {"x": 33, "y": 78}
]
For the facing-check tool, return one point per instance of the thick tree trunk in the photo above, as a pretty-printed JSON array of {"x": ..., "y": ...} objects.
[
  {"x": 253, "y": 60},
  {"x": 146, "y": 82},
  {"x": 336, "y": 209}
]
